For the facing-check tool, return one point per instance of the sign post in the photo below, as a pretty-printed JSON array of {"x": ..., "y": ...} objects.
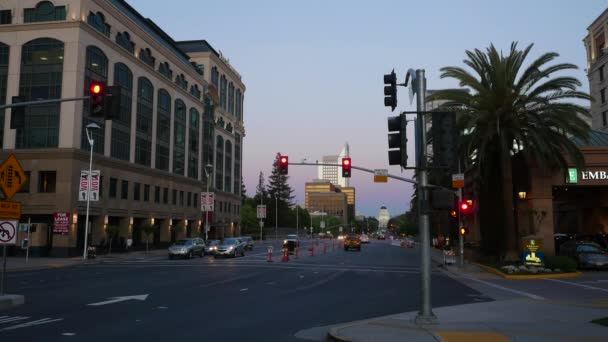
[
  {"x": 207, "y": 205},
  {"x": 8, "y": 236},
  {"x": 261, "y": 215}
]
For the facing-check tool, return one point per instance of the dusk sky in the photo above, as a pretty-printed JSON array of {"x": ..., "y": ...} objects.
[{"x": 313, "y": 69}]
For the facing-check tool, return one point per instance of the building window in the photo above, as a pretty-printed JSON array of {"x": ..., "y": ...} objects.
[
  {"x": 47, "y": 181},
  {"x": 40, "y": 79},
  {"x": 174, "y": 197},
  {"x": 180, "y": 81},
  {"x": 165, "y": 195},
  {"x": 143, "y": 142},
  {"x": 238, "y": 109},
  {"x": 4, "y": 51},
  {"x": 604, "y": 119},
  {"x": 179, "y": 141},
  {"x": 44, "y": 11},
  {"x": 228, "y": 167},
  {"x": 231, "y": 98},
  {"x": 6, "y": 17},
  {"x": 601, "y": 72},
  {"x": 124, "y": 189},
  {"x": 121, "y": 125},
  {"x": 96, "y": 69},
  {"x": 194, "y": 200},
  {"x": 124, "y": 40},
  {"x": 219, "y": 165},
  {"x": 25, "y": 188},
  {"x": 221, "y": 206},
  {"x": 223, "y": 92},
  {"x": 157, "y": 194},
  {"x": 98, "y": 22},
  {"x": 146, "y": 192},
  {"x": 145, "y": 55},
  {"x": 165, "y": 70},
  {"x": 195, "y": 91},
  {"x": 215, "y": 77},
  {"x": 163, "y": 130},
  {"x": 136, "y": 191},
  {"x": 113, "y": 187},
  {"x": 189, "y": 199},
  {"x": 237, "y": 167},
  {"x": 603, "y": 95},
  {"x": 181, "y": 198},
  {"x": 193, "y": 143}
]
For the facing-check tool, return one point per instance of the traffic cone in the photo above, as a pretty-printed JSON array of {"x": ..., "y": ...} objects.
[
  {"x": 285, "y": 255},
  {"x": 269, "y": 255}
]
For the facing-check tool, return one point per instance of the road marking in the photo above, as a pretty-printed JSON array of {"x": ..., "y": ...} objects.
[
  {"x": 162, "y": 307},
  {"x": 244, "y": 290},
  {"x": 68, "y": 334},
  {"x": 589, "y": 287},
  {"x": 29, "y": 324},
  {"x": 7, "y": 319},
  {"x": 526, "y": 294},
  {"x": 120, "y": 299},
  {"x": 301, "y": 276}
]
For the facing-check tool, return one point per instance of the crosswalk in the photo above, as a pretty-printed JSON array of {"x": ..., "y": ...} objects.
[{"x": 8, "y": 323}]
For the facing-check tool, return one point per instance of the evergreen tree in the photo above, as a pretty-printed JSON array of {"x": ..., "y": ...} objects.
[
  {"x": 243, "y": 191},
  {"x": 260, "y": 190},
  {"x": 279, "y": 191}
]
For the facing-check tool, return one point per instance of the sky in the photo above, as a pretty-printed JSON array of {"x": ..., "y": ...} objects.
[{"x": 313, "y": 69}]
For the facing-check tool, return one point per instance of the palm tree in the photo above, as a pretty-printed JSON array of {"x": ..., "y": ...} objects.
[{"x": 514, "y": 109}]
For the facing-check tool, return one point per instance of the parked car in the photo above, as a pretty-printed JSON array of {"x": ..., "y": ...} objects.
[
  {"x": 187, "y": 248},
  {"x": 291, "y": 242},
  {"x": 600, "y": 239},
  {"x": 560, "y": 238},
  {"x": 587, "y": 254},
  {"x": 230, "y": 247},
  {"x": 352, "y": 241},
  {"x": 364, "y": 238},
  {"x": 211, "y": 246},
  {"x": 248, "y": 240}
]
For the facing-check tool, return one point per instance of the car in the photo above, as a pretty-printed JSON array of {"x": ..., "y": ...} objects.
[
  {"x": 586, "y": 253},
  {"x": 291, "y": 242},
  {"x": 600, "y": 239},
  {"x": 352, "y": 241},
  {"x": 364, "y": 238},
  {"x": 341, "y": 237},
  {"x": 230, "y": 247},
  {"x": 248, "y": 240},
  {"x": 187, "y": 248},
  {"x": 381, "y": 237},
  {"x": 211, "y": 246}
]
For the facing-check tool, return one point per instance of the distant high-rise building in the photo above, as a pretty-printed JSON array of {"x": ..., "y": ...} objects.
[
  {"x": 334, "y": 173},
  {"x": 383, "y": 217}
]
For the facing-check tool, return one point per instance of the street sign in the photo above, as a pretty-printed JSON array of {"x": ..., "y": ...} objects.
[
  {"x": 458, "y": 180},
  {"x": 10, "y": 210},
  {"x": 12, "y": 177},
  {"x": 322, "y": 224},
  {"x": 23, "y": 227},
  {"x": 380, "y": 175},
  {"x": 61, "y": 222},
  {"x": 207, "y": 201},
  {"x": 8, "y": 232},
  {"x": 261, "y": 211},
  {"x": 84, "y": 178}
]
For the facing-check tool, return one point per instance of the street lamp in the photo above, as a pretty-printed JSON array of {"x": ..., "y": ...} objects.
[
  {"x": 208, "y": 170},
  {"x": 88, "y": 128}
]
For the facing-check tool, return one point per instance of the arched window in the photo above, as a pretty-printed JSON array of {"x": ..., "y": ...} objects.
[
  {"x": 98, "y": 22},
  {"x": 4, "y": 52},
  {"x": 223, "y": 92},
  {"x": 143, "y": 139},
  {"x": 163, "y": 130},
  {"x": 181, "y": 82},
  {"x": 195, "y": 91},
  {"x": 215, "y": 77},
  {"x": 238, "y": 105},
  {"x": 237, "y": 164},
  {"x": 165, "y": 70},
  {"x": 145, "y": 55},
  {"x": 219, "y": 162},
  {"x": 44, "y": 11},
  {"x": 121, "y": 126},
  {"x": 231, "y": 98},
  {"x": 96, "y": 69},
  {"x": 124, "y": 39},
  {"x": 228, "y": 167},
  {"x": 193, "y": 145},
  {"x": 41, "y": 78},
  {"x": 179, "y": 138}
]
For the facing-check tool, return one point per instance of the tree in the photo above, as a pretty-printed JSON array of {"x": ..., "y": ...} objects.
[
  {"x": 243, "y": 191},
  {"x": 249, "y": 220},
  {"x": 260, "y": 191},
  {"x": 512, "y": 109},
  {"x": 148, "y": 230},
  {"x": 280, "y": 191}
]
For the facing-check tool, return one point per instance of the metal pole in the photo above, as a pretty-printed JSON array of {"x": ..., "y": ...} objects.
[
  {"x": 460, "y": 237},
  {"x": 86, "y": 226},
  {"x": 3, "y": 271},
  {"x": 425, "y": 315},
  {"x": 276, "y": 217},
  {"x": 261, "y": 219},
  {"x": 297, "y": 219},
  {"x": 27, "y": 249},
  {"x": 207, "y": 209},
  {"x": 29, "y": 103}
]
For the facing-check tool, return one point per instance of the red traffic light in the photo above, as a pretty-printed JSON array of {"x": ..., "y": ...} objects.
[
  {"x": 96, "y": 88},
  {"x": 283, "y": 165},
  {"x": 346, "y": 163},
  {"x": 464, "y": 206},
  {"x": 283, "y": 160}
]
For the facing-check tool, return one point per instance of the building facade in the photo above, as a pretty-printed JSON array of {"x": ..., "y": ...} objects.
[
  {"x": 151, "y": 155},
  {"x": 322, "y": 196},
  {"x": 597, "y": 71},
  {"x": 334, "y": 173}
]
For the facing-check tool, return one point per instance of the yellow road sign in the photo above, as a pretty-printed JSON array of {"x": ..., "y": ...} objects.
[
  {"x": 458, "y": 180},
  {"x": 10, "y": 210},
  {"x": 12, "y": 177},
  {"x": 380, "y": 175}
]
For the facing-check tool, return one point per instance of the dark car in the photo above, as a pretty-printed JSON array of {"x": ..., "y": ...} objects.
[
  {"x": 561, "y": 238},
  {"x": 248, "y": 241},
  {"x": 587, "y": 254},
  {"x": 291, "y": 242},
  {"x": 211, "y": 247}
]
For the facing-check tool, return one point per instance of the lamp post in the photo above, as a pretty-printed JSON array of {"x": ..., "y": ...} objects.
[
  {"x": 208, "y": 170},
  {"x": 89, "y": 127}
]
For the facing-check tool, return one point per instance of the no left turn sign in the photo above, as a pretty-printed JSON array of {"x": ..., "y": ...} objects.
[{"x": 8, "y": 232}]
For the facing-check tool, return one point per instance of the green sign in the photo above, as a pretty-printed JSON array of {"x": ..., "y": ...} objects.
[{"x": 572, "y": 176}]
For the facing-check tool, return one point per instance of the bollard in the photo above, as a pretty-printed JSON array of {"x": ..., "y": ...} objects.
[
  {"x": 285, "y": 255},
  {"x": 269, "y": 254}
]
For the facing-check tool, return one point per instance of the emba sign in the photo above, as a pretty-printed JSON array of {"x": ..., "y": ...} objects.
[{"x": 589, "y": 175}]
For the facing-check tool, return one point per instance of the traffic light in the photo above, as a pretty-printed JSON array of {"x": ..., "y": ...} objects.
[
  {"x": 283, "y": 165},
  {"x": 17, "y": 113},
  {"x": 453, "y": 214},
  {"x": 397, "y": 141},
  {"x": 346, "y": 163},
  {"x": 390, "y": 90},
  {"x": 445, "y": 139},
  {"x": 97, "y": 92},
  {"x": 465, "y": 207},
  {"x": 464, "y": 231}
]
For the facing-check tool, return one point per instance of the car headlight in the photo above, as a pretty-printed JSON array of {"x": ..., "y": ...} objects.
[
  {"x": 230, "y": 248},
  {"x": 213, "y": 248},
  {"x": 284, "y": 241}
]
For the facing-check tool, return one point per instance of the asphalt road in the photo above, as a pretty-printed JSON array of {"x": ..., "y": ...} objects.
[{"x": 242, "y": 299}]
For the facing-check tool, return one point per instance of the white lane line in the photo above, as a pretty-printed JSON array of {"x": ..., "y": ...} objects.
[
  {"x": 68, "y": 334},
  {"x": 11, "y": 319},
  {"x": 526, "y": 294},
  {"x": 244, "y": 289},
  {"x": 589, "y": 287},
  {"x": 29, "y": 324}
]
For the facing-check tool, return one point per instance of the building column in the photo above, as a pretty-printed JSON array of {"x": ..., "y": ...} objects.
[
  {"x": 12, "y": 89},
  {"x": 165, "y": 233},
  {"x": 545, "y": 229},
  {"x": 70, "y": 125}
]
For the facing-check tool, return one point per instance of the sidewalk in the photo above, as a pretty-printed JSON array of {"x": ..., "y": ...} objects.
[{"x": 519, "y": 319}]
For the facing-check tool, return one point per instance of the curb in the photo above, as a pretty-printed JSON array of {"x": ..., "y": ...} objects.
[
  {"x": 333, "y": 335},
  {"x": 9, "y": 301},
  {"x": 531, "y": 276}
]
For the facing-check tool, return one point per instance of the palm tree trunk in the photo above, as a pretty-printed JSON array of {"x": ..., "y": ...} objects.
[{"x": 510, "y": 234}]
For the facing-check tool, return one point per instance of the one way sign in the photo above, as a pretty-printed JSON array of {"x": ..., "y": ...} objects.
[{"x": 84, "y": 183}]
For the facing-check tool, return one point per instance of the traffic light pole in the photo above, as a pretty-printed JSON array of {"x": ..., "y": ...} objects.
[
  {"x": 460, "y": 222},
  {"x": 29, "y": 103}
]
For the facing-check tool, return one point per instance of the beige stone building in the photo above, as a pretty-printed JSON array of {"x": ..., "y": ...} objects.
[
  {"x": 322, "y": 196},
  {"x": 178, "y": 113},
  {"x": 597, "y": 70}
]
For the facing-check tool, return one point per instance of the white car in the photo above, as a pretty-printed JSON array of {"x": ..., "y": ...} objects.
[{"x": 364, "y": 238}]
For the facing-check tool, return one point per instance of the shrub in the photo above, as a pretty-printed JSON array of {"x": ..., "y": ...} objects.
[{"x": 565, "y": 264}]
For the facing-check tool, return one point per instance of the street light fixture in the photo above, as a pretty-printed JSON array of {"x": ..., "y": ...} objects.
[
  {"x": 208, "y": 170},
  {"x": 88, "y": 129}
]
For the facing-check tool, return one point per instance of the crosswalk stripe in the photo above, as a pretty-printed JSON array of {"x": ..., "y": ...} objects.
[
  {"x": 11, "y": 319},
  {"x": 29, "y": 324}
]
